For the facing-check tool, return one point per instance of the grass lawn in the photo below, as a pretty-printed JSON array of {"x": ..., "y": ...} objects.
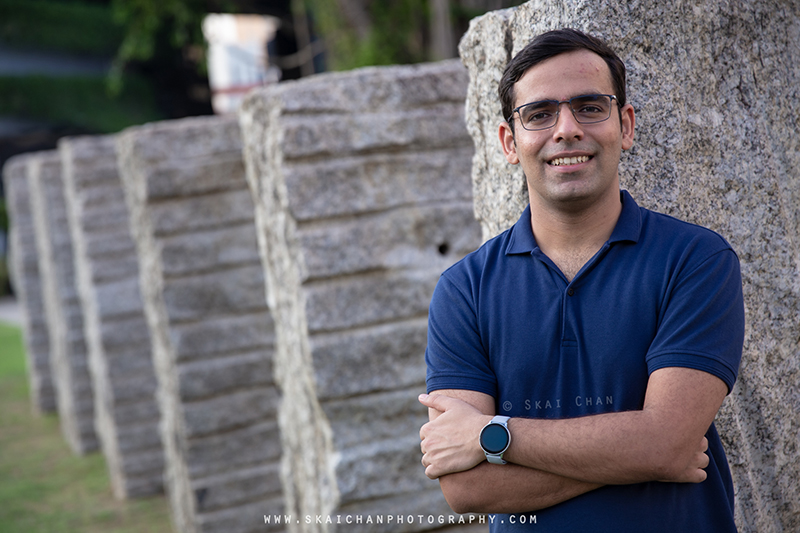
[{"x": 44, "y": 488}]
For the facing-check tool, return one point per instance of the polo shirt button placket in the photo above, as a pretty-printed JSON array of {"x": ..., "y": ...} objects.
[{"x": 571, "y": 291}]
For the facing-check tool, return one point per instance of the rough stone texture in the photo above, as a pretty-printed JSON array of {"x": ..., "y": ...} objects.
[
  {"x": 68, "y": 353},
  {"x": 24, "y": 264},
  {"x": 212, "y": 335},
  {"x": 715, "y": 88},
  {"x": 107, "y": 273},
  {"x": 362, "y": 192}
]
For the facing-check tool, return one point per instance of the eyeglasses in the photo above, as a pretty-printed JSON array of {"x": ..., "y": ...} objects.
[{"x": 587, "y": 109}]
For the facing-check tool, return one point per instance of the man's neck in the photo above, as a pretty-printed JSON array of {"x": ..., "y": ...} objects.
[{"x": 570, "y": 237}]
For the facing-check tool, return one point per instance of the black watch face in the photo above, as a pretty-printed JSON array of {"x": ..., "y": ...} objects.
[{"x": 494, "y": 438}]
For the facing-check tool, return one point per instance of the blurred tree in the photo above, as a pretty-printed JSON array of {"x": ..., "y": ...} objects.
[
  {"x": 375, "y": 32},
  {"x": 68, "y": 26},
  {"x": 145, "y": 21},
  {"x": 355, "y": 33}
]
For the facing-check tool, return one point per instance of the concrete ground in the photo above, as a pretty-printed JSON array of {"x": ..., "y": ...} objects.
[{"x": 9, "y": 311}]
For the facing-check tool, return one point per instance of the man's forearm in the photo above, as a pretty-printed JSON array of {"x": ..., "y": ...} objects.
[
  {"x": 508, "y": 488},
  {"x": 661, "y": 442},
  {"x": 614, "y": 448}
]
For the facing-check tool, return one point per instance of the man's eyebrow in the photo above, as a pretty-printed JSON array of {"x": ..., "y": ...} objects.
[{"x": 580, "y": 93}]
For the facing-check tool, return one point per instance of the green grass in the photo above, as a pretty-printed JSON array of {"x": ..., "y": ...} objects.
[{"x": 44, "y": 488}]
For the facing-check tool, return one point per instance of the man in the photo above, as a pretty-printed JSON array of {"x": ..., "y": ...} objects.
[{"x": 609, "y": 334}]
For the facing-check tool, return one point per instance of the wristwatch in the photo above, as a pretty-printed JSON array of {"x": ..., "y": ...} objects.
[{"x": 495, "y": 439}]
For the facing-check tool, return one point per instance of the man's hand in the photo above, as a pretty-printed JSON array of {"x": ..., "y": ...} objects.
[
  {"x": 695, "y": 468},
  {"x": 450, "y": 440}
]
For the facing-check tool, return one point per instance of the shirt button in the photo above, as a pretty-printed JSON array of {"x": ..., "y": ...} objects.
[{"x": 570, "y": 291}]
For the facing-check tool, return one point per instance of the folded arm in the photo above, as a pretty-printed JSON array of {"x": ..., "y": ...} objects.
[
  {"x": 503, "y": 488},
  {"x": 664, "y": 441}
]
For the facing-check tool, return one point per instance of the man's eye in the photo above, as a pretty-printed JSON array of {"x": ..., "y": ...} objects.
[{"x": 538, "y": 116}]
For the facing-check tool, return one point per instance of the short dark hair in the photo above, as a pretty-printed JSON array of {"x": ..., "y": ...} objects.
[{"x": 551, "y": 44}]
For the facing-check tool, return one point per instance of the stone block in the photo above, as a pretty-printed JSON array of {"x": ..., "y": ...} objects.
[
  {"x": 128, "y": 337},
  {"x": 209, "y": 377},
  {"x": 381, "y": 469},
  {"x": 138, "y": 438},
  {"x": 361, "y": 202},
  {"x": 222, "y": 292},
  {"x": 235, "y": 450},
  {"x": 65, "y": 318},
  {"x": 335, "y": 134},
  {"x": 404, "y": 237},
  {"x": 211, "y": 331},
  {"x": 248, "y": 518},
  {"x": 376, "y": 88},
  {"x": 715, "y": 96},
  {"x": 135, "y": 387},
  {"x": 214, "y": 249},
  {"x": 119, "y": 298},
  {"x": 373, "y": 298},
  {"x": 226, "y": 335},
  {"x": 113, "y": 242},
  {"x": 366, "y": 182},
  {"x": 114, "y": 267},
  {"x": 224, "y": 490},
  {"x": 206, "y": 141},
  {"x": 225, "y": 412},
  {"x": 107, "y": 277},
  {"x": 378, "y": 416},
  {"x": 24, "y": 266},
  {"x": 345, "y": 364},
  {"x": 198, "y": 213}
]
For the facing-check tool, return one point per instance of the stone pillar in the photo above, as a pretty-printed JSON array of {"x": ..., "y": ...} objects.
[
  {"x": 24, "y": 264},
  {"x": 117, "y": 337},
  {"x": 64, "y": 314},
  {"x": 714, "y": 86},
  {"x": 203, "y": 291},
  {"x": 363, "y": 198}
]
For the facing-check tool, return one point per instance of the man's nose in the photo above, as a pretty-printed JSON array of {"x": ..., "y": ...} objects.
[{"x": 566, "y": 127}]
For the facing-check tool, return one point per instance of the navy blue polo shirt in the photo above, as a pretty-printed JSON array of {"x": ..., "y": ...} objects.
[{"x": 660, "y": 293}]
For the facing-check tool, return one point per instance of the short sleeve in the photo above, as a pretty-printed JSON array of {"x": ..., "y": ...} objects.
[
  {"x": 701, "y": 325},
  {"x": 455, "y": 356}
]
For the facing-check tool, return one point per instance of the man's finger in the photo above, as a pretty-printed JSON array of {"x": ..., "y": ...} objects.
[
  {"x": 436, "y": 401},
  {"x": 429, "y": 471}
]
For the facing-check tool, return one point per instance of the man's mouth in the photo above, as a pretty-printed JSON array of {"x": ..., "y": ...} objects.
[{"x": 562, "y": 161}]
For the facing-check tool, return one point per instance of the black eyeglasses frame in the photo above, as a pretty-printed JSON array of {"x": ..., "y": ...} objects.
[{"x": 558, "y": 103}]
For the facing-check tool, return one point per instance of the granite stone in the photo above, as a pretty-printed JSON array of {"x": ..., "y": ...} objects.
[
  {"x": 65, "y": 316},
  {"x": 714, "y": 86},
  {"x": 362, "y": 193},
  {"x": 211, "y": 332},
  {"x": 27, "y": 283}
]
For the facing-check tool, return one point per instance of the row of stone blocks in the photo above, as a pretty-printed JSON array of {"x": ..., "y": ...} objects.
[{"x": 254, "y": 350}]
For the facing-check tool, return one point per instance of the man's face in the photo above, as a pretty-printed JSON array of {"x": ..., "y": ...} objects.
[{"x": 555, "y": 179}]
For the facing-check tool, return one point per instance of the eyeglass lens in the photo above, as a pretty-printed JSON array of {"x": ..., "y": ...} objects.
[{"x": 587, "y": 109}]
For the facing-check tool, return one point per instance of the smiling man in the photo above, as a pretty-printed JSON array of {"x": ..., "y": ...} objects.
[{"x": 576, "y": 362}]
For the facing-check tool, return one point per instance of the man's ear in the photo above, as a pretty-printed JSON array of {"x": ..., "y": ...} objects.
[
  {"x": 508, "y": 143},
  {"x": 628, "y": 125}
]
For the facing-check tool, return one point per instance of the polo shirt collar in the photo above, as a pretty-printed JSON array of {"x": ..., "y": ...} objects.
[{"x": 628, "y": 227}]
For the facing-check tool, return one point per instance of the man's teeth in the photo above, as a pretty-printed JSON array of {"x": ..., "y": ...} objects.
[{"x": 569, "y": 160}]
